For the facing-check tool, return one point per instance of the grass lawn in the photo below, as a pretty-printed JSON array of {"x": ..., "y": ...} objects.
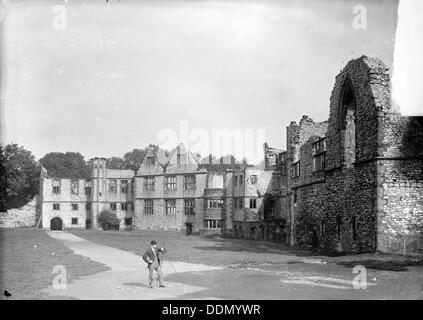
[
  {"x": 209, "y": 250},
  {"x": 236, "y": 253},
  {"x": 27, "y": 260}
]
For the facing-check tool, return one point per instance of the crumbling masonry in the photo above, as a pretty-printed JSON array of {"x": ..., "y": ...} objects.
[{"x": 355, "y": 182}]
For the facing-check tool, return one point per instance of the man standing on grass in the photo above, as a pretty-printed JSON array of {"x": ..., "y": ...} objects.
[{"x": 151, "y": 256}]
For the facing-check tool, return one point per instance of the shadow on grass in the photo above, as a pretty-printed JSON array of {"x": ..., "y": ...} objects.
[
  {"x": 390, "y": 265},
  {"x": 254, "y": 246}
]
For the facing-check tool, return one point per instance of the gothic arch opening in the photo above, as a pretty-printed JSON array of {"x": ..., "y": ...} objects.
[{"x": 347, "y": 122}]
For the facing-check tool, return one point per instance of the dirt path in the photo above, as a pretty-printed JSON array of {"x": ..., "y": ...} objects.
[
  {"x": 128, "y": 277},
  {"x": 296, "y": 278}
]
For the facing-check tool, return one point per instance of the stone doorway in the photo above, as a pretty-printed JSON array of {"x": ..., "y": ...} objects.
[
  {"x": 188, "y": 227},
  {"x": 56, "y": 224}
]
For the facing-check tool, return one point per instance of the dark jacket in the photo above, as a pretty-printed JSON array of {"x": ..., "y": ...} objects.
[{"x": 149, "y": 256}]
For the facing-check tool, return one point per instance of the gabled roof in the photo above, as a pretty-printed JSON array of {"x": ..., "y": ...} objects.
[
  {"x": 181, "y": 149},
  {"x": 165, "y": 162}
]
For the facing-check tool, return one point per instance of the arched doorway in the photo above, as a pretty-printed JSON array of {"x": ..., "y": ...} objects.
[{"x": 56, "y": 224}]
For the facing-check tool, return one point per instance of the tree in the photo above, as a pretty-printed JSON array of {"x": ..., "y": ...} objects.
[
  {"x": 107, "y": 220},
  {"x": 131, "y": 160},
  {"x": 115, "y": 163},
  {"x": 134, "y": 158},
  {"x": 66, "y": 165},
  {"x": 19, "y": 176}
]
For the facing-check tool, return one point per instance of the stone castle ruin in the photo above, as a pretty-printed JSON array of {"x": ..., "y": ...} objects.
[{"x": 353, "y": 183}]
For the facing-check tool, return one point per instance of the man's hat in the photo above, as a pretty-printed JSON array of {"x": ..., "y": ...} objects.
[{"x": 153, "y": 242}]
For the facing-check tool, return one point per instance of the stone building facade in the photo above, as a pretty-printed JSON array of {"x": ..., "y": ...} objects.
[
  {"x": 354, "y": 183},
  {"x": 75, "y": 203},
  {"x": 166, "y": 193}
]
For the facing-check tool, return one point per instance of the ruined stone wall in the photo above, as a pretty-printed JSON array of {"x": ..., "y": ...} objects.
[
  {"x": 271, "y": 157},
  {"x": 351, "y": 178},
  {"x": 228, "y": 203},
  {"x": 214, "y": 213},
  {"x": 369, "y": 81},
  {"x": 308, "y": 174},
  {"x": 369, "y": 197},
  {"x": 24, "y": 216},
  {"x": 400, "y": 220},
  {"x": 400, "y": 178},
  {"x": 378, "y": 195},
  {"x": 64, "y": 199},
  {"x": 308, "y": 190},
  {"x": 309, "y": 211}
]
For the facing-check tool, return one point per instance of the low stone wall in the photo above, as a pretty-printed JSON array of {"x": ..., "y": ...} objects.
[{"x": 21, "y": 217}]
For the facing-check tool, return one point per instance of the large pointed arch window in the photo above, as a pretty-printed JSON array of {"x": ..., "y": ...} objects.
[{"x": 347, "y": 122}]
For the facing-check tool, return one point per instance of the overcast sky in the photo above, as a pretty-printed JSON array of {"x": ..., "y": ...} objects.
[{"x": 121, "y": 72}]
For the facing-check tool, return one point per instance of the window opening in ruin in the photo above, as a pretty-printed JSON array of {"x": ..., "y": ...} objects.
[
  {"x": 74, "y": 187},
  {"x": 171, "y": 207},
  {"x": 189, "y": 205},
  {"x": 214, "y": 203},
  {"x": 151, "y": 161},
  {"x": 170, "y": 183},
  {"x": 319, "y": 155},
  {"x": 112, "y": 186},
  {"x": 295, "y": 170},
  {"x": 189, "y": 182},
  {"x": 56, "y": 186},
  {"x": 149, "y": 183},
  {"x": 74, "y": 206},
  {"x": 253, "y": 203},
  {"x": 87, "y": 187},
  {"x": 124, "y": 186},
  {"x": 74, "y": 220},
  {"x": 212, "y": 223},
  {"x": 148, "y": 206},
  {"x": 347, "y": 122}
]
